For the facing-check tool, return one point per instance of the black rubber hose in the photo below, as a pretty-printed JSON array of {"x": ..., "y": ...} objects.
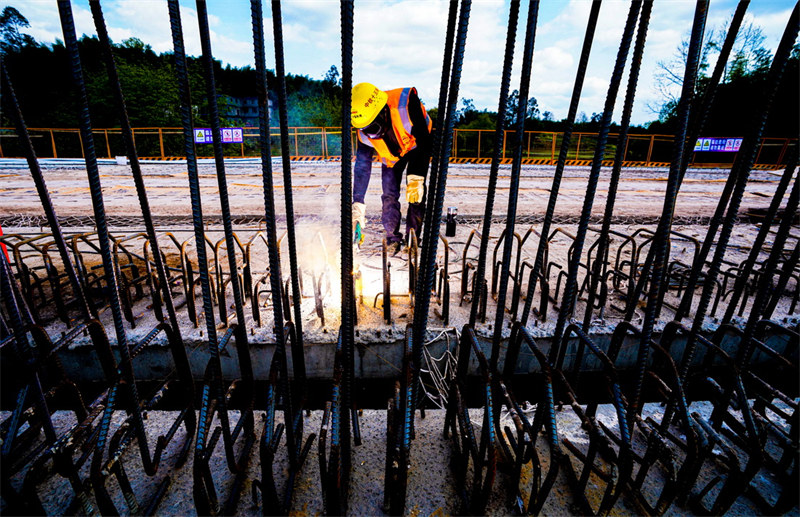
[
  {"x": 568, "y": 301},
  {"x": 513, "y": 193},
  {"x": 511, "y": 34},
  {"x": 580, "y": 75}
]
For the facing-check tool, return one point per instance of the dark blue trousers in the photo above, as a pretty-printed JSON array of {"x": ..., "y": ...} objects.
[{"x": 391, "y": 179}]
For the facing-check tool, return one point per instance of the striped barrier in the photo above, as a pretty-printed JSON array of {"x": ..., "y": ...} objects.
[{"x": 487, "y": 161}]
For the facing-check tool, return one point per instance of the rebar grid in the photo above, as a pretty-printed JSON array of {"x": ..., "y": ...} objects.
[{"x": 744, "y": 365}]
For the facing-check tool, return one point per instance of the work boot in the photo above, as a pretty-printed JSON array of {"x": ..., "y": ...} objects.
[{"x": 394, "y": 248}]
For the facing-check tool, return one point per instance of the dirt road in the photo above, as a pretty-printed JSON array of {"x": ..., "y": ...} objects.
[{"x": 316, "y": 191}]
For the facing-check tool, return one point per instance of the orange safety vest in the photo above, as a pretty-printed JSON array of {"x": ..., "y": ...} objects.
[{"x": 401, "y": 125}]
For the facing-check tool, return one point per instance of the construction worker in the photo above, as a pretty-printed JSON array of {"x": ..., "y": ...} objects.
[{"x": 395, "y": 125}]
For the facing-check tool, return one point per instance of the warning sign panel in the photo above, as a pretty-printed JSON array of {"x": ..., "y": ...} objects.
[
  {"x": 230, "y": 135},
  {"x": 720, "y": 145},
  {"x": 202, "y": 135}
]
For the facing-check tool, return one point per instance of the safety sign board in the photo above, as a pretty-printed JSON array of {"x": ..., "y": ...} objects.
[
  {"x": 720, "y": 145},
  {"x": 230, "y": 135}
]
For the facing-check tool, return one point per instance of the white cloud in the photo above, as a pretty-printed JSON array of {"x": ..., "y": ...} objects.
[{"x": 401, "y": 42}]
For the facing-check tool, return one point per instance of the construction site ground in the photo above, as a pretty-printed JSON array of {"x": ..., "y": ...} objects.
[
  {"x": 316, "y": 192},
  {"x": 316, "y": 200},
  {"x": 315, "y": 187},
  {"x": 431, "y": 490}
]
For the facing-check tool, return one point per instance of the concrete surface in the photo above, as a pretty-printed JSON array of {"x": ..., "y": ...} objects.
[{"x": 430, "y": 486}]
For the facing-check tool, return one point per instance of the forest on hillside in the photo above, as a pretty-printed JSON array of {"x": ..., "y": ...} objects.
[{"x": 40, "y": 73}]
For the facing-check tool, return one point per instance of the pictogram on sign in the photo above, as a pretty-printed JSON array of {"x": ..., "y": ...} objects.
[{"x": 229, "y": 135}]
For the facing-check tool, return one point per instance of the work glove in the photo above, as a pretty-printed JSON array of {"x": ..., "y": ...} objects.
[
  {"x": 359, "y": 223},
  {"x": 415, "y": 188}
]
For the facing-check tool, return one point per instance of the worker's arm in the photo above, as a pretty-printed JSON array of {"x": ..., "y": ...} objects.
[
  {"x": 362, "y": 170},
  {"x": 419, "y": 158}
]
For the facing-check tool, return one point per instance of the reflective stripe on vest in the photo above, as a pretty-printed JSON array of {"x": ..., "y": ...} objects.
[{"x": 401, "y": 125}]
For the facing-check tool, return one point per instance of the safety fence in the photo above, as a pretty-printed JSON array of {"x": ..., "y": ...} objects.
[{"x": 307, "y": 143}]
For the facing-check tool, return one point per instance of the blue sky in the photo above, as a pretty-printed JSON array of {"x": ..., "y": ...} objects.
[{"x": 400, "y": 43}]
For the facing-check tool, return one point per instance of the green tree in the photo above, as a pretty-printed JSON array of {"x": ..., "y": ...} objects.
[
  {"x": 748, "y": 57},
  {"x": 332, "y": 76},
  {"x": 11, "y": 39},
  {"x": 512, "y": 103}
]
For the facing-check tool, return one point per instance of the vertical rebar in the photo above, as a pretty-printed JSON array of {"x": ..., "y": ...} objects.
[
  {"x": 181, "y": 360},
  {"x": 755, "y": 249},
  {"x": 765, "y": 279},
  {"x": 516, "y": 167},
  {"x": 741, "y": 170},
  {"x": 24, "y": 353},
  {"x": 444, "y": 88},
  {"x": 699, "y": 117},
  {"x": 216, "y": 135},
  {"x": 568, "y": 300},
  {"x": 619, "y": 157},
  {"x": 283, "y": 115},
  {"x": 87, "y": 310},
  {"x": 788, "y": 268},
  {"x": 71, "y": 43},
  {"x": 347, "y": 330},
  {"x": 187, "y": 121},
  {"x": 660, "y": 243},
  {"x": 580, "y": 75},
  {"x": 275, "y": 277},
  {"x": 93, "y": 173},
  {"x": 511, "y": 34},
  {"x": 431, "y": 240}
]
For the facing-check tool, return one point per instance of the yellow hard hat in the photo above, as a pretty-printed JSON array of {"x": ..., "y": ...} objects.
[{"x": 367, "y": 102}]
